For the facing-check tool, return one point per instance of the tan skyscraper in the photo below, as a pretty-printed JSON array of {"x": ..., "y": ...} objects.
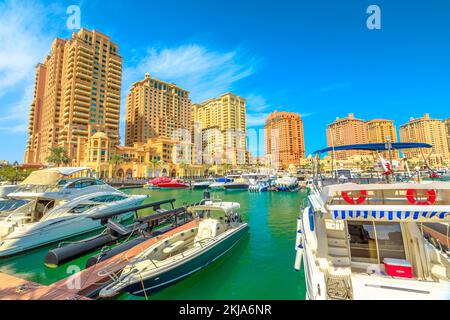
[
  {"x": 156, "y": 109},
  {"x": 77, "y": 93},
  {"x": 227, "y": 115},
  {"x": 430, "y": 131},
  {"x": 447, "y": 129},
  {"x": 347, "y": 131},
  {"x": 379, "y": 130},
  {"x": 284, "y": 138}
]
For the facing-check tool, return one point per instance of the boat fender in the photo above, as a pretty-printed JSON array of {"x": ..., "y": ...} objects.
[
  {"x": 114, "y": 251},
  {"x": 57, "y": 256},
  {"x": 412, "y": 197},
  {"x": 298, "y": 258},
  {"x": 350, "y": 200}
]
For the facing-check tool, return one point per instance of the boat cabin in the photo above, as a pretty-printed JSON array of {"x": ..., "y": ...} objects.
[{"x": 368, "y": 238}]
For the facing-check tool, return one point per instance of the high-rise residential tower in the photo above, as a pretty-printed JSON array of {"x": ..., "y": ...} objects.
[
  {"x": 226, "y": 114},
  {"x": 447, "y": 129},
  {"x": 427, "y": 130},
  {"x": 345, "y": 131},
  {"x": 380, "y": 131},
  {"x": 156, "y": 109},
  {"x": 77, "y": 93},
  {"x": 284, "y": 138}
]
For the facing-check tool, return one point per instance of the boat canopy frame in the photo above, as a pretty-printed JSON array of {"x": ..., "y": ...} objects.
[{"x": 376, "y": 147}]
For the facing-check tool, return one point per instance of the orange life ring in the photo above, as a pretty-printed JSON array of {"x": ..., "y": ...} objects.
[
  {"x": 350, "y": 200},
  {"x": 411, "y": 196}
]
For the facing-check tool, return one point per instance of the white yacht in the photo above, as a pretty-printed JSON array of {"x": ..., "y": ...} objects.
[
  {"x": 47, "y": 188},
  {"x": 7, "y": 204},
  {"x": 217, "y": 228},
  {"x": 21, "y": 231},
  {"x": 363, "y": 241},
  {"x": 54, "y": 207},
  {"x": 286, "y": 183}
]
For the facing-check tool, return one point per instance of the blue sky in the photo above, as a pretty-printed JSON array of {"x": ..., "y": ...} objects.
[{"x": 317, "y": 58}]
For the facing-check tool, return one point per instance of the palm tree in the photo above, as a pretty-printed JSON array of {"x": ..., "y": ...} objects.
[
  {"x": 58, "y": 156},
  {"x": 154, "y": 163},
  {"x": 206, "y": 167},
  {"x": 226, "y": 167},
  {"x": 115, "y": 160}
]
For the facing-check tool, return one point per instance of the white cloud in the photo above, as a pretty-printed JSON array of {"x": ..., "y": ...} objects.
[
  {"x": 205, "y": 73},
  {"x": 25, "y": 38},
  {"x": 256, "y": 103},
  {"x": 256, "y": 119}
]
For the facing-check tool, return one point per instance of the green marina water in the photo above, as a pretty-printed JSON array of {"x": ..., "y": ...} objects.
[{"x": 260, "y": 266}]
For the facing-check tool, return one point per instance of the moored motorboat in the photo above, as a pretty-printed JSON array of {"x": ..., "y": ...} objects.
[
  {"x": 48, "y": 188},
  {"x": 363, "y": 241},
  {"x": 174, "y": 184},
  {"x": 219, "y": 227},
  {"x": 154, "y": 183},
  {"x": 237, "y": 184},
  {"x": 202, "y": 184},
  {"x": 259, "y": 186},
  {"x": 217, "y": 186},
  {"x": 286, "y": 183},
  {"x": 26, "y": 228}
]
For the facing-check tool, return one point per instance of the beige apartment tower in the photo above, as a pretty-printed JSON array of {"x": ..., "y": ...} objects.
[
  {"x": 77, "y": 93},
  {"x": 447, "y": 130},
  {"x": 379, "y": 131},
  {"x": 284, "y": 139},
  {"x": 156, "y": 109},
  {"x": 426, "y": 130},
  {"x": 345, "y": 131},
  {"x": 227, "y": 115}
]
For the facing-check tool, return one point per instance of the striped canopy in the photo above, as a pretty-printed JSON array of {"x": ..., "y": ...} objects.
[{"x": 392, "y": 215}]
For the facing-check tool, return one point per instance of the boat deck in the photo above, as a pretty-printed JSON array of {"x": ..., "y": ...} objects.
[
  {"x": 13, "y": 288},
  {"x": 90, "y": 280}
]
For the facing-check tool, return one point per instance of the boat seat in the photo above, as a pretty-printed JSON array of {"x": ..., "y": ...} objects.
[
  {"x": 339, "y": 261},
  {"x": 173, "y": 247},
  {"x": 6, "y": 227},
  {"x": 337, "y": 242}
]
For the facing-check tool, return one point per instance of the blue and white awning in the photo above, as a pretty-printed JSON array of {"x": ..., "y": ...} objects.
[{"x": 412, "y": 213}]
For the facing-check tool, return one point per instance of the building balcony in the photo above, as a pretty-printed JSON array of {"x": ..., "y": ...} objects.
[{"x": 82, "y": 98}]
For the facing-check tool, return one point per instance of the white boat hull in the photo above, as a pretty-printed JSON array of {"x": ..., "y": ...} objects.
[{"x": 34, "y": 235}]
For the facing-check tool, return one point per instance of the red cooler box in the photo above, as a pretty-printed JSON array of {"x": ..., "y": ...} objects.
[{"x": 398, "y": 268}]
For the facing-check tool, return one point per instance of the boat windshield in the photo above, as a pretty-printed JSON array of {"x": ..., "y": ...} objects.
[
  {"x": 9, "y": 205},
  {"x": 79, "y": 208},
  {"x": 209, "y": 213}
]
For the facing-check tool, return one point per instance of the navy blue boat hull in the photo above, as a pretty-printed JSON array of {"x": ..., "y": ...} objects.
[{"x": 163, "y": 280}]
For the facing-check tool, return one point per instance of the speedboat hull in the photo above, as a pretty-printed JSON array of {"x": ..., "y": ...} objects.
[
  {"x": 236, "y": 186},
  {"x": 173, "y": 186},
  {"x": 217, "y": 186},
  {"x": 185, "y": 268},
  {"x": 201, "y": 185},
  {"x": 31, "y": 236}
]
